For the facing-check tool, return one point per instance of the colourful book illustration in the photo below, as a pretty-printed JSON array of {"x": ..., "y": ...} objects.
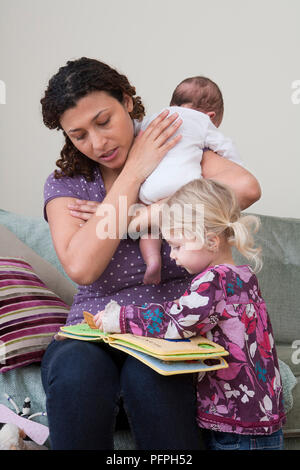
[{"x": 165, "y": 356}]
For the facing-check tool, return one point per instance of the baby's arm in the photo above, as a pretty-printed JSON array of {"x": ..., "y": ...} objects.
[
  {"x": 146, "y": 216},
  {"x": 194, "y": 313}
]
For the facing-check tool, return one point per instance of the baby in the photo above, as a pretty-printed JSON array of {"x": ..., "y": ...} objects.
[{"x": 199, "y": 103}]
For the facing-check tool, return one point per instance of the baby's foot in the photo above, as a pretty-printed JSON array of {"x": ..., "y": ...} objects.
[{"x": 153, "y": 270}]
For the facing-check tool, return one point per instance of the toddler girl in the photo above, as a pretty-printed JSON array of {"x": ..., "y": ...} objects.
[{"x": 239, "y": 407}]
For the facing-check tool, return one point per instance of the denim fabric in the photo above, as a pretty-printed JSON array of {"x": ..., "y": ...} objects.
[
  {"x": 85, "y": 384},
  {"x": 229, "y": 441}
]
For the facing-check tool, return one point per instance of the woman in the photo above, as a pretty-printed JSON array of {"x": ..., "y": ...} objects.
[{"x": 85, "y": 383}]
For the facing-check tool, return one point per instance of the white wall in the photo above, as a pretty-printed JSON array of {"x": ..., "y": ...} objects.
[{"x": 251, "y": 49}]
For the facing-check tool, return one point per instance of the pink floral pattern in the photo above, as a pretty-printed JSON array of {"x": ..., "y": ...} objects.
[{"x": 223, "y": 303}]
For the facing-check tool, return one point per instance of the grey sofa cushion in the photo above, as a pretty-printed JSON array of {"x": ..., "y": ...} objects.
[
  {"x": 10, "y": 245},
  {"x": 35, "y": 233},
  {"x": 280, "y": 276}
]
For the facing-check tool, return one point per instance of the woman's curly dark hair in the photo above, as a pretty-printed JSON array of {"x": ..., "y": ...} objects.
[{"x": 75, "y": 80}]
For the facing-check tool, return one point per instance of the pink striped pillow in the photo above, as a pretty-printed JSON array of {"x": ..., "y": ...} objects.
[{"x": 30, "y": 314}]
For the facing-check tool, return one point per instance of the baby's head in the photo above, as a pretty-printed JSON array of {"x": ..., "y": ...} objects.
[
  {"x": 205, "y": 215},
  {"x": 201, "y": 94}
]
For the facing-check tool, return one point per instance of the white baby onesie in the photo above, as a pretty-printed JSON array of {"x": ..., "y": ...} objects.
[{"x": 182, "y": 163}]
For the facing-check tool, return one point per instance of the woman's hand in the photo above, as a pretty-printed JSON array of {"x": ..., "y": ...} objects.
[
  {"x": 151, "y": 145},
  {"x": 83, "y": 210}
]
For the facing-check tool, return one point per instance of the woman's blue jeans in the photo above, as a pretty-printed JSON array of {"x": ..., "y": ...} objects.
[{"x": 85, "y": 384}]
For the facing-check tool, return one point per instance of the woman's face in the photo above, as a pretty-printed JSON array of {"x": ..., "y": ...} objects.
[{"x": 101, "y": 128}]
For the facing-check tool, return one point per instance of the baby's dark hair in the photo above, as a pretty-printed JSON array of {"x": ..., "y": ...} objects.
[
  {"x": 202, "y": 94},
  {"x": 73, "y": 81}
]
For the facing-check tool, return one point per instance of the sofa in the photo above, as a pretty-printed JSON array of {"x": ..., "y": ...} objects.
[{"x": 28, "y": 238}]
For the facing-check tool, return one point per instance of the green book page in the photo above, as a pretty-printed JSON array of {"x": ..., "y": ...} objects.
[{"x": 82, "y": 330}]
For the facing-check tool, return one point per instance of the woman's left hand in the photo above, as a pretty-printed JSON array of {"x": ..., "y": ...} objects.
[{"x": 83, "y": 210}]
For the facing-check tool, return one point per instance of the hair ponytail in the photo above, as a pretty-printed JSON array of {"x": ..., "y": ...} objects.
[{"x": 240, "y": 234}]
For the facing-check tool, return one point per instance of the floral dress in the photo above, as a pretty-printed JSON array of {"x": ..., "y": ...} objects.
[{"x": 224, "y": 304}]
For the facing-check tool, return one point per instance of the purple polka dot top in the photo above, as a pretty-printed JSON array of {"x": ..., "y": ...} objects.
[{"x": 122, "y": 280}]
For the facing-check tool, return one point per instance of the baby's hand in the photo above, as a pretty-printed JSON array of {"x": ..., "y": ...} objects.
[{"x": 98, "y": 319}]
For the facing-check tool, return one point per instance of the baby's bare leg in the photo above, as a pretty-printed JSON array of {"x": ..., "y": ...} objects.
[{"x": 150, "y": 249}]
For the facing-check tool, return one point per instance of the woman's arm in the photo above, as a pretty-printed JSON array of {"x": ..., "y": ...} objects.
[
  {"x": 83, "y": 251},
  {"x": 83, "y": 255},
  {"x": 244, "y": 184}
]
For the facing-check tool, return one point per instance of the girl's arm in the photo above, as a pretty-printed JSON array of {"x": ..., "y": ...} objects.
[
  {"x": 244, "y": 184},
  {"x": 194, "y": 313}
]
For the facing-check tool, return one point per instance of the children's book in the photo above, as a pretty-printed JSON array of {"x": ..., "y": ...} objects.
[
  {"x": 169, "y": 349},
  {"x": 166, "y": 356},
  {"x": 166, "y": 367}
]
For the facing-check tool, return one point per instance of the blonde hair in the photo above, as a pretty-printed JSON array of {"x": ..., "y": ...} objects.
[{"x": 213, "y": 207}]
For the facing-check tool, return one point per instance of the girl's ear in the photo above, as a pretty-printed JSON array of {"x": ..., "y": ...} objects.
[
  {"x": 212, "y": 242},
  {"x": 128, "y": 102}
]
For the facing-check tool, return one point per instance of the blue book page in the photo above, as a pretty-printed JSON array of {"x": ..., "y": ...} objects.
[{"x": 171, "y": 368}]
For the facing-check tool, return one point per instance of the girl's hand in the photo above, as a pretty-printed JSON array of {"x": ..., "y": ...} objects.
[
  {"x": 151, "y": 145},
  {"x": 98, "y": 319},
  {"x": 83, "y": 209}
]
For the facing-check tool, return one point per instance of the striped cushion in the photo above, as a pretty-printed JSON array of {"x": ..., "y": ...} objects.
[{"x": 30, "y": 314}]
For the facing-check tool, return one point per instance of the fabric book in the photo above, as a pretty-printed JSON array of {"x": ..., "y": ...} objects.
[{"x": 165, "y": 356}]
